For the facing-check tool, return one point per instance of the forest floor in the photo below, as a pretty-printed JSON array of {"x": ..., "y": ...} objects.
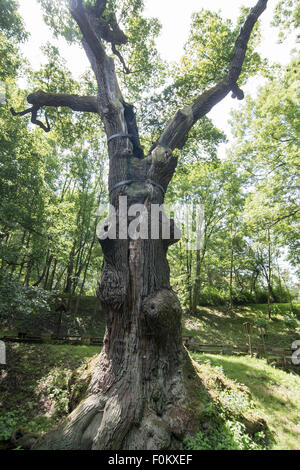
[{"x": 245, "y": 402}]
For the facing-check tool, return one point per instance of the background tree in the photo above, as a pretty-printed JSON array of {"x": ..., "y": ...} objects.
[{"x": 266, "y": 150}]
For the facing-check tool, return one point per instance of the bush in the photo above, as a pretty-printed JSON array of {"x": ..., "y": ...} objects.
[
  {"x": 230, "y": 435},
  {"x": 290, "y": 321},
  {"x": 211, "y": 296},
  {"x": 261, "y": 296},
  {"x": 19, "y": 303},
  {"x": 261, "y": 323},
  {"x": 8, "y": 421},
  {"x": 243, "y": 297},
  {"x": 295, "y": 311}
]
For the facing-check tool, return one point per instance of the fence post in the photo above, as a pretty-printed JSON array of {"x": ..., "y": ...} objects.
[
  {"x": 262, "y": 332},
  {"x": 248, "y": 328},
  {"x": 2, "y": 353}
]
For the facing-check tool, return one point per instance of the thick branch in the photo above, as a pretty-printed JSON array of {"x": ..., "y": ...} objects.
[
  {"x": 241, "y": 43},
  {"x": 75, "y": 102},
  {"x": 94, "y": 29},
  {"x": 176, "y": 132},
  {"x": 40, "y": 99},
  {"x": 81, "y": 17},
  {"x": 100, "y": 6}
]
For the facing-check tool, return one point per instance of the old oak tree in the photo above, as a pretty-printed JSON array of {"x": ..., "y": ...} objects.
[{"x": 138, "y": 396}]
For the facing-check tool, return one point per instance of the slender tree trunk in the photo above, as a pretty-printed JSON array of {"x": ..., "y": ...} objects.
[
  {"x": 189, "y": 276},
  {"x": 269, "y": 275},
  {"x": 49, "y": 262},
  {"x": 52, "y": 275},
  {"x": 197, "y": 283},
  {"x": 45, "y": 272},
  {"x": 200, "y": 254},
  {"x": 59, "y": 322},
  {"x": 21, "y": 246},
  {"x": 68, "y": 287},
  {"x": 23, "y": 262},
  {"x": 28, "y": 273},
  {"x": 29, "y": 267},
  {"x": 65, "y": 188},
  {"x": 85, "y": 272},
  {"x": 231, "y": 276}
]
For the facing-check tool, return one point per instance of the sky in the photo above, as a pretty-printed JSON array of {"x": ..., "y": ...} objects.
[{"x": 175, "y": 17}]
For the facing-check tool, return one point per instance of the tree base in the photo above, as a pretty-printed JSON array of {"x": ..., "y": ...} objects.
[{"x": 156, "y": 417}]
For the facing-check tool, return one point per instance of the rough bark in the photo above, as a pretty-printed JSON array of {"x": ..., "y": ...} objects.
[{"x": 138, "y": 397}]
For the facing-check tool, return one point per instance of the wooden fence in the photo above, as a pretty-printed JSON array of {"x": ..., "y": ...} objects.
[
  {"x": 281, "y": 356},
  {"x": 51, "y": 339}
]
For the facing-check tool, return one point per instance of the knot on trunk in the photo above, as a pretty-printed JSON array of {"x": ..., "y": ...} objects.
[
  {"x": 162, "y": 165},
  {"x": 162, "y": 315},
  {"x": 112, "y": 288}
]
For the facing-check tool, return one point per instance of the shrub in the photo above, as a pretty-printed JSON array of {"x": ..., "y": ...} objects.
[
  {"x": 212, "y": 296},
  {"x": 290, "y": 321},
  {"x": 230, "y": 435},
  {"x": 20, "y": 303}
]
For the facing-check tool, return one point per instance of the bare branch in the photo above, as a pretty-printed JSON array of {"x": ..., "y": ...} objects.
[
  {"x": 94, "y": 30},
  {"x": 117, "y": 53},
  {"x": 177, "y": 129},
  {"x": 33, "y": 110}
]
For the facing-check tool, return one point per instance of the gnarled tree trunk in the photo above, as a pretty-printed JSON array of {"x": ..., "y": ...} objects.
[{"x": 137, "y": 398}]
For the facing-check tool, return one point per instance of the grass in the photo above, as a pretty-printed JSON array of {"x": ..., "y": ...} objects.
[
  {"x": 225, "y": 413},
  {"x": 215, "y": 326},
  {"x": 275, "y": 393}
]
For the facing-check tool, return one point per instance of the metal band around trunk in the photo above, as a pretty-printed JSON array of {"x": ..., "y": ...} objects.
[
  {"x": 128, "y": 182},
  {"x": 114, "y": 136}
]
